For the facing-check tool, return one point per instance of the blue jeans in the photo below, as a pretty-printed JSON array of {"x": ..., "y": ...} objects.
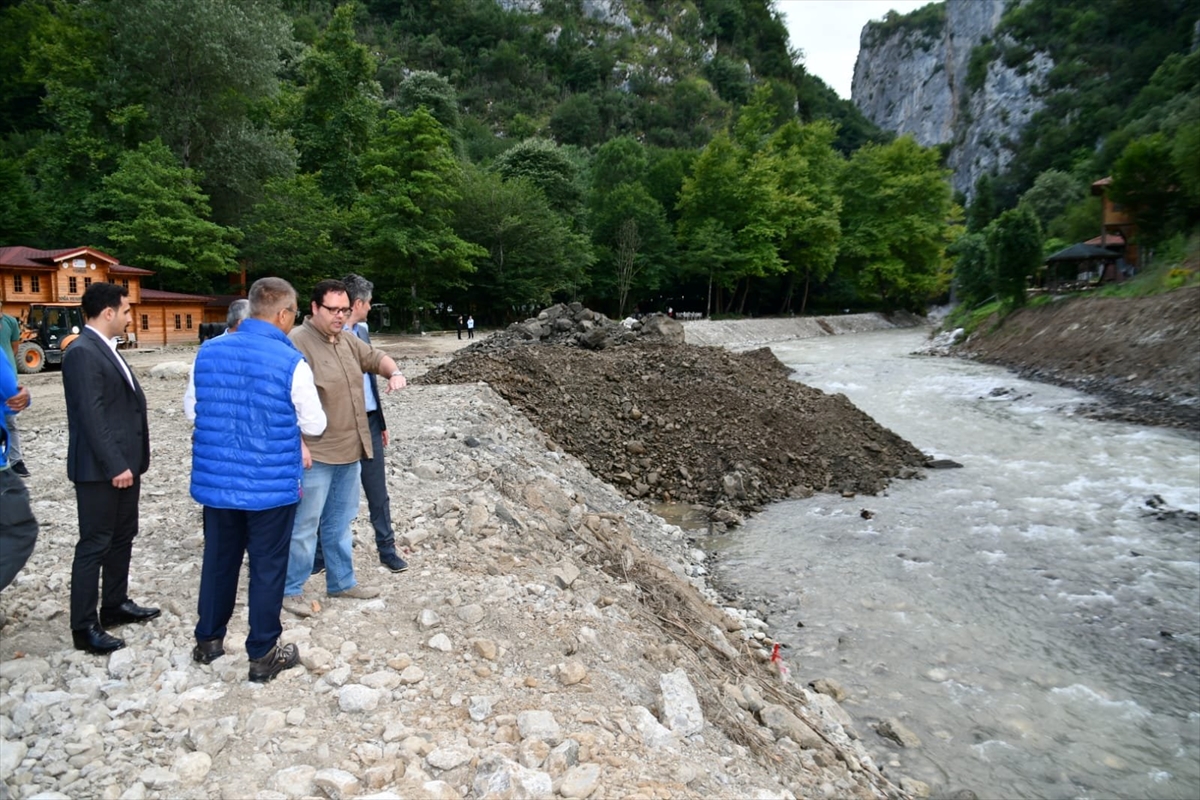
[{"x": 329, "y": 502}]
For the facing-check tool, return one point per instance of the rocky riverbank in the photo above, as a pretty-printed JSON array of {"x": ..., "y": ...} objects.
[
  {"x": 1140, "y": 357},
  {"x": 552, "y": 638}
]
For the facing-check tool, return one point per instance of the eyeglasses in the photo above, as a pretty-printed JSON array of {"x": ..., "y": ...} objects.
[{"x": 337, "y": 312}]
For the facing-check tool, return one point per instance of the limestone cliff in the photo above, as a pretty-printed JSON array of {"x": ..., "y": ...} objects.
[{"x": 917, "y": 74}]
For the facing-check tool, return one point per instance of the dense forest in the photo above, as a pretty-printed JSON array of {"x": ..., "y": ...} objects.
[{"x": 494, "y": 156}]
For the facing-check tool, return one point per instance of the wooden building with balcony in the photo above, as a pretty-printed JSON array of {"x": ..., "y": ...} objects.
[{"x": 29, "y": 276}]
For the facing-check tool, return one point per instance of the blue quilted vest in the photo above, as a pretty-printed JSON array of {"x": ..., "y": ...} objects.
[{"x": 246, "y": 445}]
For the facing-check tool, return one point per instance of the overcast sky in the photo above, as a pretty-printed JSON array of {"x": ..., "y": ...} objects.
[{"x": 827, "y": 31}]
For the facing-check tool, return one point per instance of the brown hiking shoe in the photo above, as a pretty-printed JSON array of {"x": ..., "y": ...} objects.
[{"x": 280, "y": 658}]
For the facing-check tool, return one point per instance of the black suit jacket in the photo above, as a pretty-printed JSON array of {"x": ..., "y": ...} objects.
[{"x": 106, "y": 417}]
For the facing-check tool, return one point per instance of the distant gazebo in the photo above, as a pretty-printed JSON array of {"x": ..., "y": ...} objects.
[{"x": 1082, "y": 258}]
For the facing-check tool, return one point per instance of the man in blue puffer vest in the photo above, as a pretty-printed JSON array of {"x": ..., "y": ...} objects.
[{"x": 255, "y": 395}]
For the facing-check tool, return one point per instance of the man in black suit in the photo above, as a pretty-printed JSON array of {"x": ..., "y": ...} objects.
[{"x": 107, "y": 452}]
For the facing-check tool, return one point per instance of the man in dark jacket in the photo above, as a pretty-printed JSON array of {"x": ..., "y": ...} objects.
[
  {"x": 108, "y": 450},
  {"x": 254, "y": 396}
]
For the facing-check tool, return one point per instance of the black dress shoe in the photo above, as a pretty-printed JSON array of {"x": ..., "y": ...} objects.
[
  {"x": 276, "y": 661},
  {"x": 96, "y": 641},
  {"x": 128, "y": 611},
  {"x": 208, "y": 651}
]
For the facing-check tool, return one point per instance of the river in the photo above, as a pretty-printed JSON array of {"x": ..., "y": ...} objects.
[{"x": 1029, "y": 616}]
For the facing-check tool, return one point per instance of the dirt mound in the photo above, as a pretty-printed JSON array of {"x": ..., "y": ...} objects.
[
  {"x": 677, "y": 422},
  {"x": 1140, "y": 355}
]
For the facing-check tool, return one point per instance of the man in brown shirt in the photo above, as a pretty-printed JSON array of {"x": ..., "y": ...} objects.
[{"x": 330, "y": 499}]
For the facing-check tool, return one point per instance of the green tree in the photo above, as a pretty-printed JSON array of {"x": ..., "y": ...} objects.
[
  {"x": 152, "y": 214},
  {"x": 974, "y": 280},
  {"x": 202, "y": 71},
  {"x": 1145, "y": 181},
  {"x": 618, "y": 161},
  {"x": 297, "y": 232},
  {"x": 548, "y": 167},
  {"x": 339, "y": 104},
  {"x": 634, "y": 242},
  {"x": 1050, "y": 195},
  {"x": 730, "y": 196},
  {"x": 982, "y": 207},
  {"x": 807, "y": 170},
  {"x": 435, "y": 93},
  {"x": 896, "y": 223},
  {"x": 530, "y": 254},
  {"x": 411, "y": 181},
  {"x": 1014, "y": 241}
]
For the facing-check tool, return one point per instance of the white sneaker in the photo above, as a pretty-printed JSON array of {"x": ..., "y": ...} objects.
[{"x": 298, "y": 605}]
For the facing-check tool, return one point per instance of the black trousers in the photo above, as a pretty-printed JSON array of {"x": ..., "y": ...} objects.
[{"x": 108, "y": 523}]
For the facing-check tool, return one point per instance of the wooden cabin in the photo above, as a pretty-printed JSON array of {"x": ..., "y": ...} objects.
[
  {"x": 1117, "y": 223},
  {"x": 29, "y": 276}
]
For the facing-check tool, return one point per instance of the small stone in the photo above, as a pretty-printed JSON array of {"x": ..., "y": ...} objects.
[
  {"x": 193, "y": 768},
  {"x": 895, "y": 730},
  {"x": 485, "y": 648},
  {"x": 479, "y": 707},
  {"x": 355, "y": 698},
  {"x": 294, "y": 781},
  {"x": 571, "y": 673},
  {"x": 580, "y": 781},
  {"x": 337, "y": 783},
  {"x": 539, "y": 724},
  {"x": 427, "y": 619},
  {"x": 412, "y": 674},
  {"x": 565, "y": 574},
  {"x": 471, "y": 614},
  {"x": 680, "y": 707},
  {"x": 440, "y": 642},
  {"x": 829, "y": 686}
]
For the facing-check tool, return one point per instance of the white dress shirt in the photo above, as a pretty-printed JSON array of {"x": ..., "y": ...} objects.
[{"x": 112, "y": 345}]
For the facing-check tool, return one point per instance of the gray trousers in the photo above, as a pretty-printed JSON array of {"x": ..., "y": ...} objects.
[
  {"x": 14, "y": 439},
  {"x": 18, "y": 528}
]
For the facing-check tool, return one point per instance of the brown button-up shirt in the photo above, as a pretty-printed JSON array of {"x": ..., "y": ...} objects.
[{"x": 338, "y": 367}]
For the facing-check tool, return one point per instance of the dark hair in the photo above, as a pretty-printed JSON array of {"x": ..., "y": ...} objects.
[
  {"x": 100, "y": 296},
  {"x": 358, "y": 288},
  {"x": 325, "y": 287}
]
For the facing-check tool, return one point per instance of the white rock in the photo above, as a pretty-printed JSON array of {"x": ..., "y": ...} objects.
[
  {"x": 427, "y": 619},
  {"x": 383, "y": 679},
  {"x": 355, "y": 697},
  {"x": 449, "y": 757},
  {"x": 414, "y": 537},
  {"x": 654, "y": 734},
  {"x": 294, "y": 781},
  {"x": 11, "y": 756},
  {"x": 122, "y": 662},
  {"x": 479, "y": 707},
  {"x": 158, "y": 777},
  {"x": 263, "y": 722},
  {"x": 192, "y": 768},
  {"x": 680, "y": 707},
  {"x": 580, "y": 781},
  {"x": 539, "y": 724},
  {"x": 440, "y": 642},
  {"x": 500, "y": 779},
  {"x": 171, "y": 369},
  {"x": 571, "y": 672}
]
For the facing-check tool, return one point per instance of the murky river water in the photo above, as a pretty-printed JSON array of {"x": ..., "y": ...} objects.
[{"x": 1028, "y": 616}]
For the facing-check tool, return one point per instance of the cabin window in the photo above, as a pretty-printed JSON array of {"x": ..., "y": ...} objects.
[
  {"x": 178, "y": 325},
  {"x": 125, "y": 282},
  {"x": 35, "y": 285},
  {"x": 145, "y": 322},
  {"x": 87, "y": 282},
  {"x": 73, "y": 285},
  {"x": 189, "y": 322},
  {"x": 18, "y": 284}
]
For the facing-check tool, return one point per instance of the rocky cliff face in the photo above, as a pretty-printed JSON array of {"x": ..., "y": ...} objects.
[{"x": 914, "y": 75}]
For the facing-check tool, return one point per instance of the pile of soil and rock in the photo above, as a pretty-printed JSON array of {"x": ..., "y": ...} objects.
[
  {"x": 1139, "y": 356},
  {"x": 663, "y": 420}
]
